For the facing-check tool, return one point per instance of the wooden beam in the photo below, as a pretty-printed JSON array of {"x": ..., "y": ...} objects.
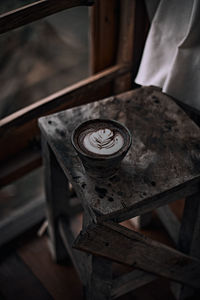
[
  {"x": 125, "y": 42},
  {"x": 125, "y": 246},
  {"x": 104, "y": 38},
  {"x": 19, "y": 131},
  {"x": 35, "y": 11},
  {"x": 134, "y": 25},
  {"x": 74, "y": 95},
  {"x": 104, "y": 34}
]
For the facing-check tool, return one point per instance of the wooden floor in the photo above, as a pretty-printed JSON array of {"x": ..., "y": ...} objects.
[{"x": 28, "y": 272}]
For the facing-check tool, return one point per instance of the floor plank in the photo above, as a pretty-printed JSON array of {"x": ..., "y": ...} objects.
[
  {"x": 61, "y": 281},
  {"x": 18, "y": 282}
]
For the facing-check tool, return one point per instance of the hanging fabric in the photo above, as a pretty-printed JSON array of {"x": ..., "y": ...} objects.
[{"x": 171, "y": 58}]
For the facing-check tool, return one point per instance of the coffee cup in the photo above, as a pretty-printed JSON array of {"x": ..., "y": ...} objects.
[{"x": 101, "y": 145}]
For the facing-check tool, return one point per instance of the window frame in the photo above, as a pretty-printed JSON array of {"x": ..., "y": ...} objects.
[{"x": 118, "y": 32}]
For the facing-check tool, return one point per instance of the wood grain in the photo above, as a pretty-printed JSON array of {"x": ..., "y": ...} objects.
[
  {"x": 35, "y": 11},
  {"x": 117, "y": 243}
]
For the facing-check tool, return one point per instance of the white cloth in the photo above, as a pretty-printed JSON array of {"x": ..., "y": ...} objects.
[{"x": 171, "y": 58}]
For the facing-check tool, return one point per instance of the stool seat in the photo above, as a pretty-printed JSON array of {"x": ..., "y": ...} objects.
[{"x": 162, "y": 164}]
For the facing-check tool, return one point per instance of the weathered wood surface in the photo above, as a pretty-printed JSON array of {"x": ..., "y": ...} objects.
[
  {"x": 130, "y": 281},
  {"x": 170, "y": 221},
  {"x": 125, "y": 246},
  {"x": 98, "y": 278},
  {"x": 161, "y": 133},
  {"x": 36, "y": 11},
  {"x": 22, "y": 125},
  {"x": 57, "y": 200}
]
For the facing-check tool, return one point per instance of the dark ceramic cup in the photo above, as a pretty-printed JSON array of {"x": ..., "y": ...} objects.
[{"x": 101, "y": 145}]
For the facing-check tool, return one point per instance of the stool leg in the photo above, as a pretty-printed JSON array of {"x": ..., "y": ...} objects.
[
  {"x": 57, "y": 194},
  {"x": 99, "y": 275},
  {"x": 189, "y": 237},
  {"x": 99, "y": 280}
]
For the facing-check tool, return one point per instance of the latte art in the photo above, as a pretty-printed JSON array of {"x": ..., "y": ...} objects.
[{"x": 103, "y": 141}]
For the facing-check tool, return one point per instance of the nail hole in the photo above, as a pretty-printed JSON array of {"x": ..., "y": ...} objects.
[
  {"x": 83, "y": 185},
  {"x": 110, "y": 199}
]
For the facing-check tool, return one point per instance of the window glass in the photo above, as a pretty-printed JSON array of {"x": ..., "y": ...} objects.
[{"x": 43, "y": 57}]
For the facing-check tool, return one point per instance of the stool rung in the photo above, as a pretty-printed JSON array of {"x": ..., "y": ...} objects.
[
  {"x": 130, "y": 281},
  {"x": 117, "y": 243}
]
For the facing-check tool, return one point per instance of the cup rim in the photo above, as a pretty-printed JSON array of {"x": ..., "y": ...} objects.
[{"x": 102, "y": 157}]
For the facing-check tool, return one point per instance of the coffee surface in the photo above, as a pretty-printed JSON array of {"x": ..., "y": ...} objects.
[{"x": 103, "y": 141}]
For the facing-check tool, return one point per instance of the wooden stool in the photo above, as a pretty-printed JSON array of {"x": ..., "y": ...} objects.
[{"x": 162, "y": 165}]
